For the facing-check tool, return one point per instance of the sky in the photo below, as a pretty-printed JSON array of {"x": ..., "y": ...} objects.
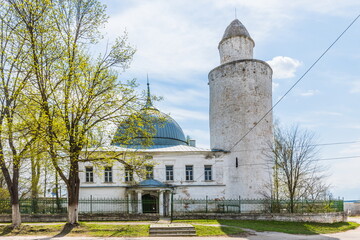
[{"x": 176, "y": 43}]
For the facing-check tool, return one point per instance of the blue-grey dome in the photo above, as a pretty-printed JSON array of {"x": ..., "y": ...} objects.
[{"x": 149, "y": 124}]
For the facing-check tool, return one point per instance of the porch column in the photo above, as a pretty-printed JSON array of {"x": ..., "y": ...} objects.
[
  {"x": 161, "y": 203},
  {"x": 130, "y": 202},
  {"x": 170, "y": 202},
  {"x": 139, "y": 198}
]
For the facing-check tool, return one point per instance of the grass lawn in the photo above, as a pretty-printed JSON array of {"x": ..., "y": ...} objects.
[
  {"x": 228, "y": 227},
  {"x": 84, "y": 229},
  {"x": 285, "y": 227}
]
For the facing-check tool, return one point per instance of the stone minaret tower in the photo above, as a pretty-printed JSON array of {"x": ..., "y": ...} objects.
[{"x": 240, "y": 94}]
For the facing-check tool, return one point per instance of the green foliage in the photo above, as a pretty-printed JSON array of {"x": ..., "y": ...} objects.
[
  {"x": 56, "y": 94},
  {"x": 5, "y": 206}
]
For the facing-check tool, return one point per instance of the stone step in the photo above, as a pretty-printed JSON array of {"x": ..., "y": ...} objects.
[
  {"x": 172, "y": 230},
  {"x": 173, "y": 235}
]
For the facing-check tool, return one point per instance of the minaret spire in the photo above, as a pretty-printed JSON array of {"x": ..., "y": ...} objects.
[{"x": 148, "y": 98}]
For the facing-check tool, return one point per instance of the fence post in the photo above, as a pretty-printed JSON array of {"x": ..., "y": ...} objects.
[
  {"x": 302, "y": 205},
  {"x": 206, "y": 206},
  {"x": 53, "y": 205},
  {"x": 239, "y": 204},
  {"x": 90, "y": 204},
  {"x": 172, "y": 206}
]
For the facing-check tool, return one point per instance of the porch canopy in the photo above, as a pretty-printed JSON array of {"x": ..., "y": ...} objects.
[{"x": 152, "y": 196}]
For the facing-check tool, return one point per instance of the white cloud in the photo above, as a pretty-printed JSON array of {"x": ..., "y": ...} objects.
[
  {"x": 181, "y": 97},
  {"x": 275, "y": 86},
  {"x": 309, "y": 93},
  {"x": 326, "y": 113},
  {"x": 202, "y": 137},
  {"x": 352, "y": 150},
  {"x": 284, "y": 67},
  {"x": 355, "y": 88},
  {"x": 182, "y": 114},
  {"x": 345, "y": 172},
  {"x": 170, "y": 45}
]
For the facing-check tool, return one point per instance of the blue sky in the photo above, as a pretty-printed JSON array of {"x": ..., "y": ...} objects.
[{"x": 177, "y": 41}]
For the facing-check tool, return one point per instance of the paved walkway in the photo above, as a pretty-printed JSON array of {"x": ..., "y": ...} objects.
[{"x": 348, "y": 235}]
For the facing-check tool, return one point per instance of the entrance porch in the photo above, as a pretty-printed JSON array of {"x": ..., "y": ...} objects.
[{"x": 150, "y": 196}]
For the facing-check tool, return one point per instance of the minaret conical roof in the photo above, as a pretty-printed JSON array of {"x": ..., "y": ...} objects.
[{"x": 236, "y": 28}]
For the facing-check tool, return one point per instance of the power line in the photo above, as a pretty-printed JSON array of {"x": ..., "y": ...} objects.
[
  {"x": 319, "y": 159},
  {"x": 288, "y": 91},
  {"x": 312, "y": 145}
]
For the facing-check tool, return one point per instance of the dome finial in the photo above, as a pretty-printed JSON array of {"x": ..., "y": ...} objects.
[{"x": 148, "y": 98}]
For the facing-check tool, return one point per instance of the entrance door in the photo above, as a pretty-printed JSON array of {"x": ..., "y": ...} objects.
[{"x": 150, "y": 204}]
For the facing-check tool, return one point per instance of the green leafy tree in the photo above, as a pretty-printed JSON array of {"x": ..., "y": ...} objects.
[
  {"x": 74, "y": 93},
  {"x": 17, "y": 127}
]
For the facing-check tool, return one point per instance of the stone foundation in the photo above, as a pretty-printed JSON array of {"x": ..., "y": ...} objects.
[{"x": 286, "y": 217}]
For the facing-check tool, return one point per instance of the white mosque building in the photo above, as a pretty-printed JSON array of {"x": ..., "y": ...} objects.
[{"x": 240, "y": 95}]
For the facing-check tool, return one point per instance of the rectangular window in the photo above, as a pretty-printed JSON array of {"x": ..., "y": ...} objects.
[
  {"x": 89, "y": 174},
  {"x": 149, "y": 172},
  {"x": 208, "y": 172},
  {"x": 189, "y": 172},
  {"x": 108, "y": 174},
  {"x": 128, "y": 175},
  {"x": 169, "y": 172}
]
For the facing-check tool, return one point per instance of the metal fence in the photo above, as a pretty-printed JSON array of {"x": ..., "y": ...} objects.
[
  {"x": 184, "y": 206},
  {"x": 178, "y": 206},
  {"x": 36, "y": 206}
]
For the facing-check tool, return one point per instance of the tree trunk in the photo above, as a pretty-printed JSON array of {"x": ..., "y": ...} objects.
[
  {"x": 73, "y": 194},
  {"x": 16, "y": 217},
  {"x": 73, "y": 216}
]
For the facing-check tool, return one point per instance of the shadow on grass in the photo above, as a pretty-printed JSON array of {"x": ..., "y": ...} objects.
[
  {"x": 66, "y": 229},
  {"x": 6, "y": 230},
  {"x": 303, "y": 228}
]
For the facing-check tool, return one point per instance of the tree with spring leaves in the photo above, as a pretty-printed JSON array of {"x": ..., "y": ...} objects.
[
  {"x": 297, "y": 174},
  {"x": 18, "y": 129},
  {"x": 75, "y": 94}
]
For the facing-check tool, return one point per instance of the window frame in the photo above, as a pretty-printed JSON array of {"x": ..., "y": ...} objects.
[
  {"x": 208, "y": 176},
  {"x": 108, "y": 176},
  {"x": 189, "y": 173},
  {"x": 129, "y": 175},
  {"x": 169, "y": 172},
  {"x": 89, "y": 174},
  {"x": 149, "y": 172}
]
